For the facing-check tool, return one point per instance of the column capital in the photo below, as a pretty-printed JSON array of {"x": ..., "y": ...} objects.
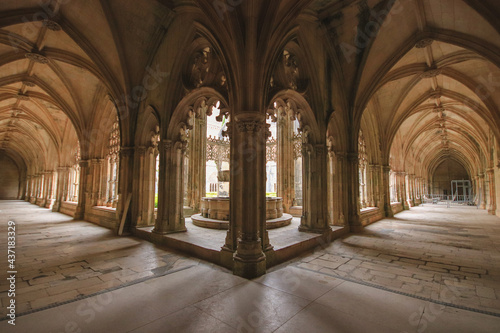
[{"x": 84, "y": 163}]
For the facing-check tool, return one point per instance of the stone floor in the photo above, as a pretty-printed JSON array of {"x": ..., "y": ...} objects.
[
  {"x": 451, "y": 255},
  {"x": 413, "y": 273}
]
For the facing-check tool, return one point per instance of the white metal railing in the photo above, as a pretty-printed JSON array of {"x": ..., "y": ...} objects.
[{"x": 451, "y": 200}]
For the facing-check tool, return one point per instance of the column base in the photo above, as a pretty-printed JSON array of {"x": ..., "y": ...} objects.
[
  {"x": 388, "y": 211},
  {"x": 356, "y": 229},
  {"x": 249, "y": 261},
  {"x": 166, "y": 232},
  {"x": 226, "y": 257},
  {"x": 303, "y": 228}
]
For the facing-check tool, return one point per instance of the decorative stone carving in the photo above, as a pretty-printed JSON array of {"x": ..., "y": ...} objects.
[
  {"x": 430, "y": 73},
  {"x": 28, "y": 83},
  {"x": 205, "y": 70},
  {"x": 52, "y": 25},
  {"x": 424, "y": 43},
  {"x": 167, "y": 144},
  {"x": 22, "y": 97},
  {"x": 37, "y": 57},
  {"x": 287, "y": 74},
  {"x": 253, "y": 126}
]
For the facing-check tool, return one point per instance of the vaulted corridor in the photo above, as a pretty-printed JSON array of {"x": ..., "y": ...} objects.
[{"x": 171, "y": 143}]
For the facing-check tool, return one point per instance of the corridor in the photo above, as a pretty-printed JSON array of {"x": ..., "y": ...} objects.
[{"x": 431, "y": 269}]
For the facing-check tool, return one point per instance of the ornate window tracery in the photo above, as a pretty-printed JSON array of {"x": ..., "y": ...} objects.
[
  {"x": 113, "y": 164},
  {"x": 363, "y": 162},
  {"x": 74, "y": 178}
]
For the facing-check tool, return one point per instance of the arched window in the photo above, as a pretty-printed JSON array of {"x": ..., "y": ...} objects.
[
  {"x": 74, "y": 178},
  {"x": 113, "y": 165},
  {"x": 362, "y": 162},
  {"x": 271, "y": 160}
]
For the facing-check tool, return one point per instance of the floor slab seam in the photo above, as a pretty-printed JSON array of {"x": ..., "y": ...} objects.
[
  {"x": 489, "y": 313},
  {"x": 128, "y": 284}
]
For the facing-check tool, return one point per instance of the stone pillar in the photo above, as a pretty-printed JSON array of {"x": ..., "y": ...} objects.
[
  {"x": 248, "y": 194},
  {"x": 62, "y": 183},
  {"x": 341, "y": 194},
  {"x": 482, "y": 189},
  {"x": 315, "y": 189},
  {"x": 285, "y": 164},
  {"x": 353, "y": 192},
  {"x": 332, "y": 197},
  {"x": 83, "y": 190},
  {"x": 493, "y": 201},
  {"x": 28, "y": 187},
  {"x": 171, "y": 188},
  {"x": 402, "y": 190},
  {"x": 386, "y": 191},
  {"x": 373, "y": 185},
  {"x": 197, "y": 157},
  {"x": 96, "y": 181},
  {"x": 139, "y": 204}
]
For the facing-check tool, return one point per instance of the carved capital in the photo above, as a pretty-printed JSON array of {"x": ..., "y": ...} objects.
[
  {"x": 37, "y": 57},
  {"x": 167, "y": 144},
  {"x": 252, "y": 126}
]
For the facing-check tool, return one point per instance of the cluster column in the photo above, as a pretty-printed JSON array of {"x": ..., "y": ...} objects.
[
  {"x": 83, "y": 190},
  {"x": 62, "y": 184},
  {"x": 493, "y": 202},
  {"x": 353, "y": 190},
  {"x": 171, "y": 188},
  {"x": 482, "y": 191},
  {"x": 386, "y": 171},
  {"x": 197, "y": 163},
  {"x": 248, "y": 195},
  {"x": 315, "y": 189}
]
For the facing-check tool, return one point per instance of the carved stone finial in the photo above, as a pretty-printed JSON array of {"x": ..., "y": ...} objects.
[
  {"x": 424, "y": 43},
  {"x": 37, "y": 57}
]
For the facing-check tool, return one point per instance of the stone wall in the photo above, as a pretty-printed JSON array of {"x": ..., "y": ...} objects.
[{"x": 9, "y": 179}]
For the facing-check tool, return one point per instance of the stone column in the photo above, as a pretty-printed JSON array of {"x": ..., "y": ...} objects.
[
  {"x": 482, "y": 184},
  {"x": 341, "y": 195},
  {"x": 285, "y": 163},
  {"x": 197, "y": 163},
  {"x": 353, "y": 192},
  {"x": 62, "y": 183},
  {"x": 332, "y": 187},
  {"x": 83, "y": 190},
  {"x": 386, "y": 191},
  {"x": 493, "y": 201},
  {"x": 402, "y": 190},
  {"x": 171, "y": 188},
  {"x": 139, "y": 204},
  {"x": 373, "y": 185},
  {"x": 315, "y": 189},
  {"x": 248, "y": 194},
  {"x": 96, "y": 172},
  {"x": 28, "y": 188}
]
